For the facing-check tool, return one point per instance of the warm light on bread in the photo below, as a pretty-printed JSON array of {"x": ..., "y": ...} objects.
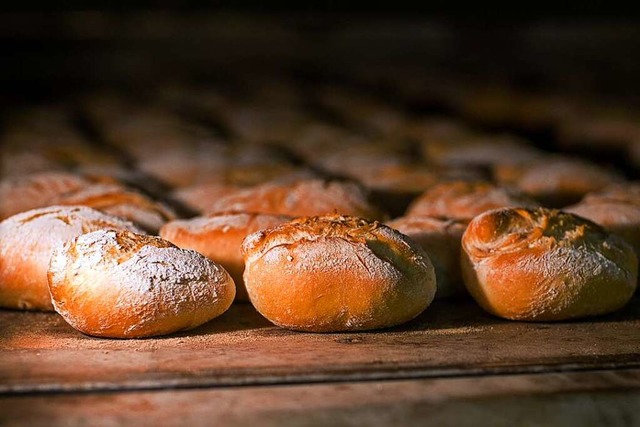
[
  {"x": 125, "y": 285},
  {"x": 27, "y": 241},
  {"x": 219, "y": 237},
  {"x": 544, "y": 265},
  {"x": 336, "y": 273}
]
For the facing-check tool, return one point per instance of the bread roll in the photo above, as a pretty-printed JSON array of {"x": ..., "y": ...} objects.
[
  {"x": 121, "y": 202},
  {"x": 462, "y": 200},
  {"x": 219, "y": 237},
  {"x": 21, "y": 193},
  {"x": 336, "y": 273},
  {"x": 301, "y": 198},
  {"x": 27, "y": 241},
  {"x": 558, "y": 181},
  {"x": 545, "y": 265},
  {"x": 440, "y": 239},
  {"x": 120, "y": 284}
]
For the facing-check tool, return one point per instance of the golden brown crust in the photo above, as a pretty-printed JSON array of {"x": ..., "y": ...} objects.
[
  {"x": 336, "y": 273},
  {"x": 120, "y": 284},
  {"x": 543, "y": 265},
  {"x": 27, "y": 241},
  {"x": 219, "y": 237},
  {"x": 463, "y": 200},
  {"x": 301, "y": 198},
  {"x": 440, "y": 239}
]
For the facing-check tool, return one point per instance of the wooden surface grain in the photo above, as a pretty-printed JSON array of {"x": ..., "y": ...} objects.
[
  {"x": 559, "y": 399},
  {"x": 39, "y": 352}
]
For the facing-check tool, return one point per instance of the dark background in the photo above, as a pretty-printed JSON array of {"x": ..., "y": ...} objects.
[{"x": 51, "y": 49}]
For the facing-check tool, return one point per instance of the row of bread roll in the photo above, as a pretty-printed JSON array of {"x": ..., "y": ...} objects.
[
  {"x": 164, "y": 146},
  {"x": 322, "y": 274},
  {"x": 579, "y": 123},
  {"x": 107, "y": 279},
  {"x": 451, "y": 151}
]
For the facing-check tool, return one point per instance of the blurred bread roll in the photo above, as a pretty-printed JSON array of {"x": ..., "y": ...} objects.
[
  {"x": 27, "y": 241},
  {"x": 21, "y": 193},
  {"x": 462, "y": 200},
  {"x": 120, "y": 284},
  {"x": 619, "y": 218},
  {"x": 616, "y": 208},
  {"x": 441, "y": 240},
  {"x": 121, "y": 202},
  {"x": 300, "y": 198},
  {"x": 219, "y": 237},
  {"x": 336, "y": 273},
  {"x": 545, "y": 265},
  {"x": 558, "y": 181}
]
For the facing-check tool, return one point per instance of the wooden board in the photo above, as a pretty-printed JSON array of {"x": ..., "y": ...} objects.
[
  {"x": 39, "y": 352},
  {"x": 566, "y": 399}
]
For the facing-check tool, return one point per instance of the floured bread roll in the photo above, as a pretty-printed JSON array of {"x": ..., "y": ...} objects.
[
  {"x": 125, "y": 285},
  {"x": 543, "y": 265},
  {"x": 27, "y": 241},
  {"x": 219, "y": 237},
  {"x": 336, "y": 273}
]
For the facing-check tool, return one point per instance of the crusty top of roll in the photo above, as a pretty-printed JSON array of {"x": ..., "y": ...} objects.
[
  {"x": 542, "y": 265},
  {"x": 511, "y": 230},
  {"x": 133, "y": 280},
  {"x": 346, "y": 228},
  {"x": 44, "y": 221},
  {"x": 301, "y": 198},
  {"x": 27, "y": 241}
]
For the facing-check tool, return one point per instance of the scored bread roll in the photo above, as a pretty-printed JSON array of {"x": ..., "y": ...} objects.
[
  {"x": 462, "y": 200},
  {"x": 544, "y": 265},
  {"x": 336, "y": 273},
  {"x": 440, "y": 239},
  {"x": 120, "y": 284},
  {"x": 219, "y": 237},
  {"x": 27, "y": 241}
]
